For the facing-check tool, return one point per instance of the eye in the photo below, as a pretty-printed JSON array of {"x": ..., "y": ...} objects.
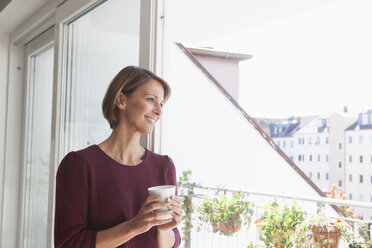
[{"x": 150, "y": 99}]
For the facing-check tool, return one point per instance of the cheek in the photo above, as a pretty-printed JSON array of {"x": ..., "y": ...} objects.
[{"x": 141, "y": 107}]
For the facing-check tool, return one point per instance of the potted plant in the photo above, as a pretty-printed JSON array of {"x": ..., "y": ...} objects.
[
  {"x": 365, "y": 235},
  {"x": 225, "y": 214},
  {"x": 367, "y": 244},
  {"x": 323, "y": 232},
  {"x": 277, "y": 225}
]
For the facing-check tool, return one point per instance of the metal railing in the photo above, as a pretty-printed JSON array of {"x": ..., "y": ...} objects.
[{"x": 310, "y": 205}]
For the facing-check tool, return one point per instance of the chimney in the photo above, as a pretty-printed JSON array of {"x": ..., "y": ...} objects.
[{"x": 345, "y": 109}]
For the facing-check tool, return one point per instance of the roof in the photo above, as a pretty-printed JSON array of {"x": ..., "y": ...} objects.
[{"x": 219, "y": 54}]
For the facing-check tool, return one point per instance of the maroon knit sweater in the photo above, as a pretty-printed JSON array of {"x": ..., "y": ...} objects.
[{"x": 94, "y": 192}]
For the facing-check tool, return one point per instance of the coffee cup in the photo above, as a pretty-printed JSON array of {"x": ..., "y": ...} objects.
[{"x": 165, "y": 191}]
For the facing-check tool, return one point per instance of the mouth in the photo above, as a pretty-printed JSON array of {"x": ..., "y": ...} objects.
[{"x": 151, "y": 119}]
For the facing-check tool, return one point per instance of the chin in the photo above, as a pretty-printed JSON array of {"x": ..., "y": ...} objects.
[{"x": 147, "y": 131}]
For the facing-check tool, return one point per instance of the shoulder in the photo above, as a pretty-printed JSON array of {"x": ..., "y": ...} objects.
[
  {"x": 163, "y": 160},
  {"x": 77, "y": 160}
]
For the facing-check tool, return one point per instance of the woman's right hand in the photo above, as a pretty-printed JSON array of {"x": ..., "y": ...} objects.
[{"x": 147, "y": 216}]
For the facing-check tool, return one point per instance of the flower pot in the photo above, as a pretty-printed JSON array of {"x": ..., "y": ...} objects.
[
  {"x": 326, "y": 236},
  {"x": 234, "y": 225}
]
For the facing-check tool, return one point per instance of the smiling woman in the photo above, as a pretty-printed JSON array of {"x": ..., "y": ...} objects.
[{"x": 101, "y": 194}]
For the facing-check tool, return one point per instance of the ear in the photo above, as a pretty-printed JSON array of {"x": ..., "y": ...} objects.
[{"x": 121, "y": 101}]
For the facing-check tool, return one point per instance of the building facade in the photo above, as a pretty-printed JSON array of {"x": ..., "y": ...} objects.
[{"x": 333, "y": 149}]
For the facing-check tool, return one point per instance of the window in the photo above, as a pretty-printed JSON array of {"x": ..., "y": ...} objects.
[
  {"x": 361, "y": 158},
  {"x": 361, "y": 178},
  {"x": 284, "y": 143},
  {"x": 350, "y": 178},
  {"x": 299, "y": 157},
  {"x": 279, "y": 143},
  {"x": 326, "y": 140},
  {"x": 317, "y": 140},
  {"x": 311, "y": 158},
  {"x": 311, "y": 175},
  {"x": 291, "y": 157},
  {"x": 291, "y": 143},
  {"x": 327, "y": 158},
  {"x": 318, "y": 175},
  {"x": 350, "y": 159},
  {"x": 350, "y": 139},
  {"x": 93, "y": 37},
  {"x": 39, "y": 126},
  {"x": 326, "y": 175},
  {"x": 360, "y": 139},
  {"x": 339, "y": 164},
  {"x": 339, "y": 146},
  {"x": 339, "y": 183},
  {"x": 299, "y": 141},
  {"x": 350, "y": 196},
  {"x": 318, "y": 158}
]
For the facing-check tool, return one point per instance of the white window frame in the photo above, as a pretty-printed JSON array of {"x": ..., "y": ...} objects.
[{"x": 42, "y": 42}]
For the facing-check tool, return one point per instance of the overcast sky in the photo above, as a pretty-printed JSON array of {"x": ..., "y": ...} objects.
[{"x": 313, "y": 62}]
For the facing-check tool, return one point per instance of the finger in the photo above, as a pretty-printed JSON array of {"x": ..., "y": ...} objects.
[
  {"x": 176, "y": 218},
  {"x": 152, "y": 198},
  {"x": 178, "y": 211},
  {"x": 161, "y": 222},
  {"x": 154, "y": 206},
  {"x": 173, "y": 203},
  {"x": 176, "y": 199},
  {"x": 157, "y": 215}
]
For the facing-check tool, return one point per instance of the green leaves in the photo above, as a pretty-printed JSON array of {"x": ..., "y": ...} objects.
[
  {"x": 277, "y": 225},
  {"x": 226, "y": 214}
]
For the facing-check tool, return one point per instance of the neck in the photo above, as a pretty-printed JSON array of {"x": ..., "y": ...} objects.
[{"x": 123, "y": 146}]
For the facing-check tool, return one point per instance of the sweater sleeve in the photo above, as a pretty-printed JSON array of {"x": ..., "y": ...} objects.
[
  {"x": 72, "y": 194},
  {"x": 172, "y": 180}
]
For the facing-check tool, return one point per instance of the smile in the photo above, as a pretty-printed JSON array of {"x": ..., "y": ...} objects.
[{"x": 152, "y": 120}]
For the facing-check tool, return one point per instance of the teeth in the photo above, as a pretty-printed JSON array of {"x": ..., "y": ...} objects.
[{"x": 149, "y": 118}]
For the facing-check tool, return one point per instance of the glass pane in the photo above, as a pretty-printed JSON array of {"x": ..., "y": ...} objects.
[
  {"x": 207, "y": 132},
  {"x": 100, "y": 44},
  {"x": 38, "y": 153}
]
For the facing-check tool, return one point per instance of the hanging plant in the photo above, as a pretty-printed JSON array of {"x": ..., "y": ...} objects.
[{"x": 225, "y": 215}]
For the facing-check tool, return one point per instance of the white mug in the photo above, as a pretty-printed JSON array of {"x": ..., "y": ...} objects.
[{"x": 165, "y": 191}]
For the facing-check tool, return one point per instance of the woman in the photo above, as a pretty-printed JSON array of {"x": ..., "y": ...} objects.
[{"x": 101, "y": 191}]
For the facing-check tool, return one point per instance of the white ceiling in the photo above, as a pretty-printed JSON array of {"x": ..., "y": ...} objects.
[{"x": 16, "y": 12}]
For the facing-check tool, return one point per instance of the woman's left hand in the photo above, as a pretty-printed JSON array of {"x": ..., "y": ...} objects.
[{"x": 175, "y": 204}]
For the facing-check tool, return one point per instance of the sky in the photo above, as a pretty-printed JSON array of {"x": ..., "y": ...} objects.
[{"x": 314, "y": 62}]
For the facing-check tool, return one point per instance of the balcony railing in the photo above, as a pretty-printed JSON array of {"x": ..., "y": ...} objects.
[{"x": 204, "y": 237}]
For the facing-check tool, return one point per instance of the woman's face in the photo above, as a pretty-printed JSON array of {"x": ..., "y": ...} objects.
[{"x": 143, "y": 107}]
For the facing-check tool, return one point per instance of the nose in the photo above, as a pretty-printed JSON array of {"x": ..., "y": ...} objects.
[{"x": 158, "y": 110}]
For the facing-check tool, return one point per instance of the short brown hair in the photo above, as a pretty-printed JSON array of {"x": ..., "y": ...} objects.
[{"x": 127, "y": 81}]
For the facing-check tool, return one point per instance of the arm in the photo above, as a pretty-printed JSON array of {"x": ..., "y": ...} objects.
[
  {"x": 145, "y": 219},
  {"x": 168, "y": 234},
  {"x": 70, "y": 228}
]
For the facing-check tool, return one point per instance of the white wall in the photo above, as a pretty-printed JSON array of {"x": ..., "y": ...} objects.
[{"x": 4, "y": 55}]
